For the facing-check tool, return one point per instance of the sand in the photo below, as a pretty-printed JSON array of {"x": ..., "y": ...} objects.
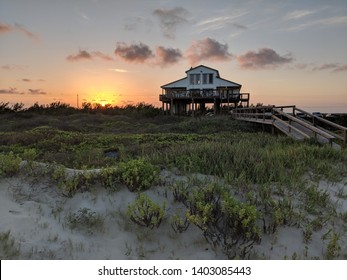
[{"x": 35, "y": 212}]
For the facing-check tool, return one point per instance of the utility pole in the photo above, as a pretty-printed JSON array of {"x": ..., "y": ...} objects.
[{"x": 77, "y": 102}]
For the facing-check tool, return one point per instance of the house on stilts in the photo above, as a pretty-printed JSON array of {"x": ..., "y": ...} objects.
[{"x": 201, "y": 86}]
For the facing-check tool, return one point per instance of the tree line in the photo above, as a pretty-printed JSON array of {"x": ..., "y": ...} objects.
[{"x": 60, "y": 108}]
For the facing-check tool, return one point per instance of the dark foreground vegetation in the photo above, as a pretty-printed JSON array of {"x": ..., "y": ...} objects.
[{"x": 268, "y": 181}]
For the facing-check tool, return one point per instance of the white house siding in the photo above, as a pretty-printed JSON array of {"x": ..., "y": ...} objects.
[{"x": 202, "y": 82}]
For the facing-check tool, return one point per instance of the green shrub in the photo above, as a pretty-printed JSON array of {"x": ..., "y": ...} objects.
[
  {"x": 8, "y": 247},
  {"x": 224, "y": 221},
  {"x": 110, "y": 178},
  {"x": 29, "y": 154},
  {"x": 71, "y": 183},
  {"x": 180, "y": 192},
  {"x": 9, "y": 164},
  {"x": 138, "y": 174},
  {"x": 315, "y": 199},
  {"x": 85, "y": 219},
  {"x": 178, "y": 224},
  {"x": 333, "y": 248},
  {"x": 146, "y": 212}
]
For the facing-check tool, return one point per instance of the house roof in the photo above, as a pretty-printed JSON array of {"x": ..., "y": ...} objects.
[
  {"x": 180, "y": 83},
  {"x": 229, "y": 81},
  {"x": 193, "y": 68},
  {"x": 174, "y": 82}
]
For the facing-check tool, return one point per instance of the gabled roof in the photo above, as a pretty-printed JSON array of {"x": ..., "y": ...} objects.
[
  {"x": 229, "y": 81},
  {"x": 172, "y": 84},
  {"x": 182, "y": 83},
  {"x": 193, "y": 68}
]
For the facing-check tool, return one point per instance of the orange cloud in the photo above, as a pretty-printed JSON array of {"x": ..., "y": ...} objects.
[
  {"x": 209, "y": 50},
  {"x": 26, "y": 32},
  {"x": 4, "y": 28},
  {"x": 85, "y": 55}
]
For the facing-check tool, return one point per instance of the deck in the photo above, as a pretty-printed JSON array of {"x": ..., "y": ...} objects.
[
  {"x": 181, "y": 102},
  {"x": 287, "y": 120}
]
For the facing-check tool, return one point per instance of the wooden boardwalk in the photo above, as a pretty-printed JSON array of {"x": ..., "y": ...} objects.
[{"x": 295, "y": 123}]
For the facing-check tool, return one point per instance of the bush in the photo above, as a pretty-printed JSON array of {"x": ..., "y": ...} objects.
[
  {"x": 224, "y": 220},
  {"x": 138, "y": 174},
  {"x": 85, "y": 218},
  {"x": 110, "y": 178},
  {"x": 8, "y": 246},
  {"x": 9, "y": 164},
  {"x": 145, "y": 212}
]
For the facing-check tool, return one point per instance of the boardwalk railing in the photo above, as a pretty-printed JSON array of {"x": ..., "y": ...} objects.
[
  {"x": 294, "y": 122},
  {"x": 204, "y": 94}
]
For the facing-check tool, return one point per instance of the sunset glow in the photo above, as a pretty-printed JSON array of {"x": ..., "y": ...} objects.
[{"x": 121, "y": 52}]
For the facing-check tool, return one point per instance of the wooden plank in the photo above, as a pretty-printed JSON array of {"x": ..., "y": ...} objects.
[
  {"x": 286, "y": 132},
  {"x": 292, "y": 127},
  {"x": 266, "y": 121},
  {"x": 323, "y": 120},
  {"x": 309, "y": 126}
]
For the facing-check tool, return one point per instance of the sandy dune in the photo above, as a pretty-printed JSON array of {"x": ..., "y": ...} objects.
[{"x": 35, "y": 212}]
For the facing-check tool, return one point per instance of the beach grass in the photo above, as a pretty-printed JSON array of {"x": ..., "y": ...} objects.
[{"x": 254, "y": 182}]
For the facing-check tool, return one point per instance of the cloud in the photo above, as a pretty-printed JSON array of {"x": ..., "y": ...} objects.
[
  {"x": 220, "y": 22},
  {"x": 135, "y": 23},
  {"x": 85, "y": 55},
  {"x": 207, "y": 49},
  {"x": 301, "y": 66},
  {"x": 340, "y": 68},
  {"x": 265, "y": 58},
  {"x": 134, "y": 53},
  {"x": 11, "y": 90},
  {"x": 170, "y": 18},
  {"x": 36, "y": 92},
  {"x": 336, "y": 20},
  {"x": 298, "y": 14},
  {"x": 4, "y": 28},
  {"x": 26, "y": 80},
  {"x": 26, "y": 32},
  {"x": 334, "y": 67},
  {"x": 81, "y": 55},
  {"x": 12, "y": 67},
  {"x": 239, "y": 26},
  {"x": 325, "y": 66},
  {"x": 118, "y": 70},
  {"x": 167, "y": 56}
]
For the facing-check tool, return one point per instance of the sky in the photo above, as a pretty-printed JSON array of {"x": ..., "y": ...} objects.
[{"x": 282, "y": 52}]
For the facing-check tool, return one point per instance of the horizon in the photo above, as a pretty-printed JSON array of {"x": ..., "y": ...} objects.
[{"x": 119, "y": 53}]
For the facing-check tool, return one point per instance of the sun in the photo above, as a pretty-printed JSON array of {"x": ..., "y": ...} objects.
[{"x": 103, "y": 103}]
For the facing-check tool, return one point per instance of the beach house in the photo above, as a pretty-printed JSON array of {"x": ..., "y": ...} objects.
[{"x": 201, "y": 87}]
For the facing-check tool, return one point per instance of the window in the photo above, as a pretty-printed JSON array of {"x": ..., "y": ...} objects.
[
  {"x": 210, "y": 78},
  {"x": 191, "y": 78},
  {"x": 204, "y": 79},
  {"x": 197, "y": 79},
  {"x": 194, "y": 79}
]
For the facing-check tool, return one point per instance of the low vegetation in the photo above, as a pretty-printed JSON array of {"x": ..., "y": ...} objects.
[
  {"x": 85, "y": 219},
  {"x": 9, "y": 249},
  {"x": 261, "y": 182},
  {"x": 146, "y": 212}
]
